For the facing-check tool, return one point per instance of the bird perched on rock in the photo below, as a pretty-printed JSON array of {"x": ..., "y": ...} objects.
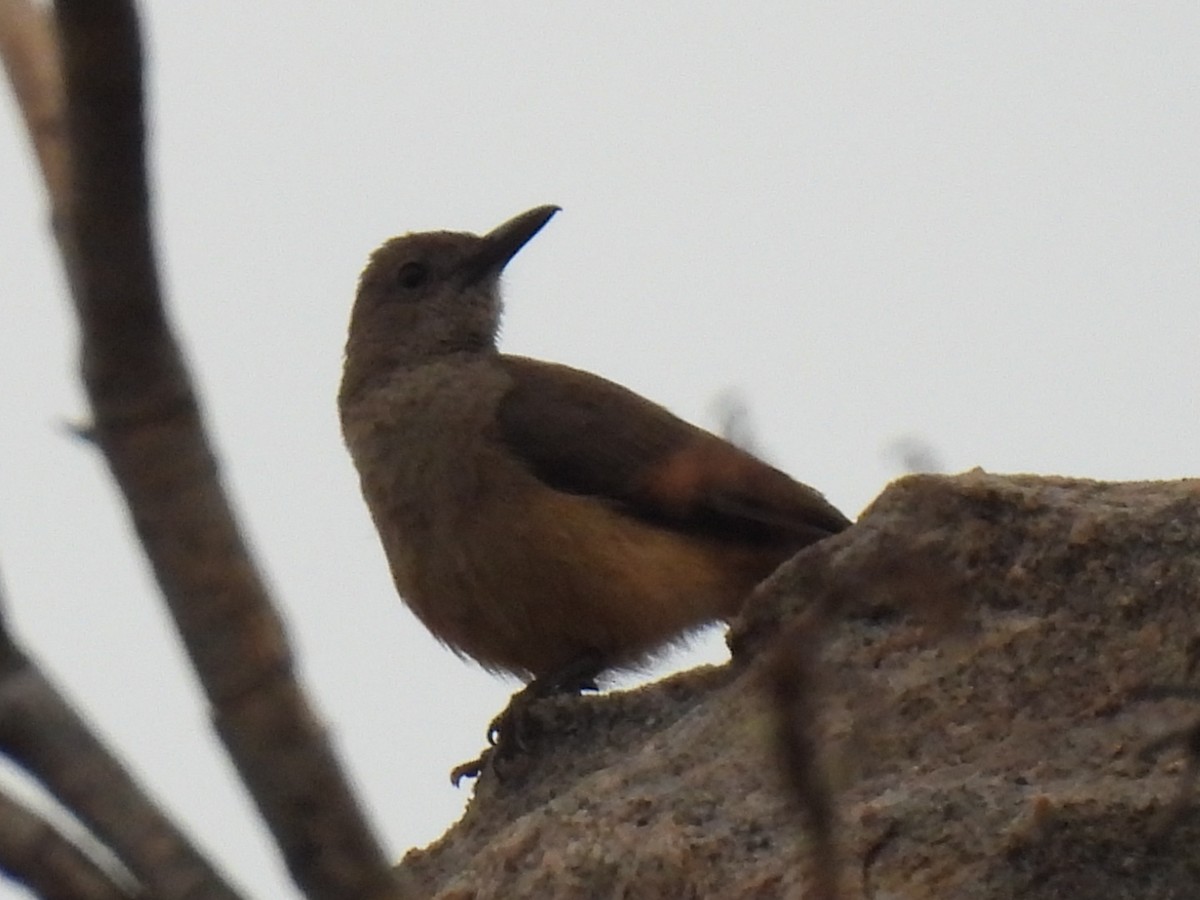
[{"x": 539, "y": 519}]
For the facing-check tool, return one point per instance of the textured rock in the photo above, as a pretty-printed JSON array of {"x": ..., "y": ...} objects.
[{"x": 995, "y": 758}]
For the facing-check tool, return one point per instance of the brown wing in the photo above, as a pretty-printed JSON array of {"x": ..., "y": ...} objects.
[{"x": 581, "y": 434}]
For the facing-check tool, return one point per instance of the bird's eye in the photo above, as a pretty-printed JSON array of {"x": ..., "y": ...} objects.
[{"x": 412, "y": 274}]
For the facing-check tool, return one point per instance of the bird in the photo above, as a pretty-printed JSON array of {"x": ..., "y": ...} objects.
[{"x": 538, "y": 519}]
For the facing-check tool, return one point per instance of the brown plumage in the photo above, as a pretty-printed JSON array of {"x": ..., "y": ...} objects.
[{"x": 535, "y": 516}]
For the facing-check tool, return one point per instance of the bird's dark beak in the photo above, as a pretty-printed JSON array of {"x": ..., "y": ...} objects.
[{"x": 501, "y": 244}]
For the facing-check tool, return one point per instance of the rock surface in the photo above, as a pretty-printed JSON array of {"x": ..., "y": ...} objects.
[{"x": 999, "y": 757}]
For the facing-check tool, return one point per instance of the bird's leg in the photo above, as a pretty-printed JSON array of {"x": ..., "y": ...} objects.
[
  {"x": 510, "y": 732},
  {"x": 511, "y": 726}
]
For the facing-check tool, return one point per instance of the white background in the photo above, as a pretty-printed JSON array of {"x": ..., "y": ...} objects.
[{"x": 972, "y": 223}]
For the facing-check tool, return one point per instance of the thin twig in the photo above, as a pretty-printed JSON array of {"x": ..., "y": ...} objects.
[
  {"x": 792, "y": 681},
  {"x": 36, "y": 854}
]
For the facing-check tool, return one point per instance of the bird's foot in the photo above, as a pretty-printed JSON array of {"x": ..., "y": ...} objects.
[
  {"x": 470, "y": 769},
  {"x": 513, "y": 731}
]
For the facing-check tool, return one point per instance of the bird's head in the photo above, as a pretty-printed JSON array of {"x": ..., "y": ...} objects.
[{"x": 431, "y": 294}]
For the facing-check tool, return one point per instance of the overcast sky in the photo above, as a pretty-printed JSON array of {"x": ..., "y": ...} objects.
[{"x": 975, "y": 224}]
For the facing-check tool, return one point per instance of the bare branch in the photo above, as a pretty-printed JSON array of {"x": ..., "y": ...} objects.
[
  {"x": 908, "y": 577},
  {"x": 30, "y": 53},
  {"x": 41, "y": 732},
  {"x": 148, "y": 423},
  {"x": 792, "y": 681},
  {"x": 39, "y": 856}
]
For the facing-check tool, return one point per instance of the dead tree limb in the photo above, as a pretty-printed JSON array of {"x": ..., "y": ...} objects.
[
  {"x": 39, "y": 856},
  {"x": 147, "y": 422},
  {"x": 42, "y": 733}
]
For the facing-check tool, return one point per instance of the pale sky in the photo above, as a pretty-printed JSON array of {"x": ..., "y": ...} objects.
[{"x": 974, "y": 223}]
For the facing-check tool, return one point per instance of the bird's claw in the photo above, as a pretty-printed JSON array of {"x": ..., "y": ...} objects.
[{"x": 515, "y": 728}]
